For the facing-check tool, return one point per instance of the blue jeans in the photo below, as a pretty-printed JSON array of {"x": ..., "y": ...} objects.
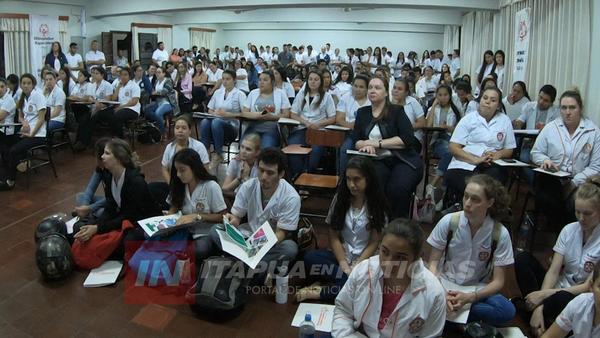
[
  {"x": 297, "y": 162},
  {"x": 156, "y": 112},
  {"x": 269, "y": 134},
  {"x": 217, "y": 131},
  {"x": 328, "y": 270},
  {"x": 441, "y": 151},
  {"x": 348, "y": 144},
  {"x": 88, "y": 197},
  {"x": 55, "y": 125},
  {"x": 495, "y": 310}
]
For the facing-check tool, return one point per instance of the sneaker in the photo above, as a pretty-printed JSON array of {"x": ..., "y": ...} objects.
[
  {"x": 430, "y": 192},
  {"x": 6, "y": 186},
  {"x": 215, "y": 161},
  {"x": 23, "y": 166}
]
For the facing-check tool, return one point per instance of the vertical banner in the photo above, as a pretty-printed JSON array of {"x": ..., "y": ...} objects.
[
  {"x": 43, "y": 31},
  {"x": 522, "y": 33},
  {"x": 82, "y": 20}
]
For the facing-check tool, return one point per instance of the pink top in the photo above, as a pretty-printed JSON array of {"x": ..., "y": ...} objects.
[
  {"x": 186, "y": 86},
  {"x": 390, "y": 300}
]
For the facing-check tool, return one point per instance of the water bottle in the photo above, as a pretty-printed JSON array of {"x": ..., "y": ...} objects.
[
  {"x": 307, "y": 327},
  {"x": 281, "y": 285},
  {"x": 524, "y": 230}
]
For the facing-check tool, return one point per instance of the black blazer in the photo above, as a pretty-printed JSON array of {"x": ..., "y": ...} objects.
[
  {"x": 136, "y": 202},
  {"x": 396, "y": 123}
]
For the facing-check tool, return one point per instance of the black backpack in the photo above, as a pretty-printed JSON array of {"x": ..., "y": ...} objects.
[
  {"x": 220, "y": 291},
  {"x": 148, "y": 133}
]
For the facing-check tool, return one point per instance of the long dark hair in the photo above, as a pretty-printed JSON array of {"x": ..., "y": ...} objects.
[
  {"x": 452, "y": 105},
  {"x": 33, "y": 83},
  {"x": 350, "y": 75},
  {"x": 66, "y": 83},
  {"x": 321, "y": 89},
  {"x": 377, "y": 204},
  {"x": 190, "y": 158},
  {"x": 386, "y": 105},
  {"x": 484, "y": 65},
  {"x": 524, "y": 87}
]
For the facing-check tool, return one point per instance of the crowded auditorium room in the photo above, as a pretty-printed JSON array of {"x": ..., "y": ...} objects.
[{"x": 307, "y": 168}]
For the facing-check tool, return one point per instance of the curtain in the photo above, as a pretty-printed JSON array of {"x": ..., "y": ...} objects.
[
  {"x": 560, "y": 31},
  {"x": 450, "y": 39},
  {"x": 135, "y": 45},
  {"x": 202, "y": 39},
  {"x": 16, "y": 43},
  {"x": 476, "y": 37},
  {"x": 166, "y": 36},
  {"x": 64, "y": 35}
]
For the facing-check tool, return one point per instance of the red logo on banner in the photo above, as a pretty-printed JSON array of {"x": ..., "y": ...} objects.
[
  {"x": 44, "y": 30},
  {"x": 523, "y": 30}
]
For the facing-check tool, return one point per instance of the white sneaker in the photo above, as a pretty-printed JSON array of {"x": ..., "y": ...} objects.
[{"x": 430, "y": 192}]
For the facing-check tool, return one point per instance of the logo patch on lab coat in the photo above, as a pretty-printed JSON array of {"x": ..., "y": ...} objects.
[
  {"x": 416, "y": 325},
  {"x": 126, "y": 94},
  {"x": 500, "y": 136},
  {"x": 484, "y": 256},
  {"x": 30, "y": 108},
  {"x": 199, "y": 207},
  {"x": 587, "y": 148},
  {"x": 588, "y": 267}
]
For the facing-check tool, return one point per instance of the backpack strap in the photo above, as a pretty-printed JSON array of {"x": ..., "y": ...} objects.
[
  {"x": 495, "y": 239},
  {"x": 454, "y": 220}
]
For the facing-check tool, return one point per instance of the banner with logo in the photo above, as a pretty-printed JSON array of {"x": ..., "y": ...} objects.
[
  {"x": 522, "y": 33},
  {"x": 43, "y": 31}
]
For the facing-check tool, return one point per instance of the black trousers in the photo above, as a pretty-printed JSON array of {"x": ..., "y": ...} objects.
[
  {"x": 550, "y": 199},
  {"x": 456, "y": 179},
  {"x": 83, "y": 115},
  {"x": 18, "y": 152},
  {"x": 530, "y": 276},
  {"x": 198, "y": 94},
  {"x": 399, "y": 181},
  {"x": 115, "y": 120}
]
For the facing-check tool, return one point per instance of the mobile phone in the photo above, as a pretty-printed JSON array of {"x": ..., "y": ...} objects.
[
  {"x": 264, "y": 112},
  {"x": 510, "y": 160}
]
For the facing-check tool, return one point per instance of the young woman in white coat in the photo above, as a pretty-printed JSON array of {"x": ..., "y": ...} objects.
[
  {"x": 392, "y": 294},
  {"x": 569, "y": 144}
]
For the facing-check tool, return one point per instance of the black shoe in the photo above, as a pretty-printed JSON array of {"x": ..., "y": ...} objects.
[{"x": 4, "y": 186}]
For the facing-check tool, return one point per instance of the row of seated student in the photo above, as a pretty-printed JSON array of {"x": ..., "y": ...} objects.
[
  {"x": 360, "y": 227},
  {"x": 270, "y": 97},
  {"x": 577, "y": 133}
]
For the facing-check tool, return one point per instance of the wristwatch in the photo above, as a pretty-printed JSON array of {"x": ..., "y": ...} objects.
[{"x": 198, "y": 217}]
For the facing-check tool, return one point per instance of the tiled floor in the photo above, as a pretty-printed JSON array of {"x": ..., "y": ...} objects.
[{"x": 30, "y": 307}]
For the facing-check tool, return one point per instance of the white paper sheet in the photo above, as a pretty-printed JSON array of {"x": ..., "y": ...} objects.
[
  {"x": 516, "y": 163},
  {"x": 360, "y": 153},
  {"x": 557, "y": 174},
  {"x": 105, "y": 274},
  {"x": 526, "y": 132},
  {"x": 321, "y": 315},
  {"x": 285, "y": 120},
  {"x": 336, "y": 127},
  {"x": 462, "y": 315},
  {"x": 511, "y": 332}
]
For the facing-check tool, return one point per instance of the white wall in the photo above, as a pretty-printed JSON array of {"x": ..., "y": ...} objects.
[
  {"x": 592, "y": 98},
  {"x": 396, "y": 37}
]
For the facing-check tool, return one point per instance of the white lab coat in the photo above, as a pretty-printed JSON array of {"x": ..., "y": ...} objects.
[
  {"x": 421, "y": 312},
  {"x": 578, "y": 155}
]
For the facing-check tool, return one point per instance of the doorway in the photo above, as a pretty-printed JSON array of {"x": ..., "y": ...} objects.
[{"x": 147, "y": 44}]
